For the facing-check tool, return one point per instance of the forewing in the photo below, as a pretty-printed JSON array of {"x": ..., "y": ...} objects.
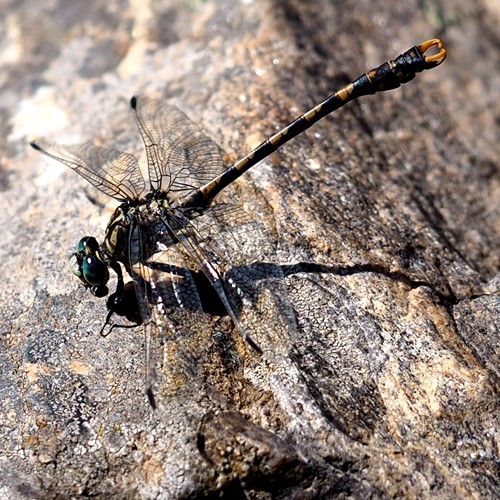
[
  {"x": 175, "y": 328},
  {"x": 116, "y": 173},
  {"x": 180, "y": 156}
]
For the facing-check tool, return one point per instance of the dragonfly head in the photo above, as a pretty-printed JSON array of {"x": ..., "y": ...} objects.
[{"x": 89, "y": 267}]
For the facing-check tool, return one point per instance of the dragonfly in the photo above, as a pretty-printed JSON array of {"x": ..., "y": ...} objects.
[{"x": 167, "y": 231}]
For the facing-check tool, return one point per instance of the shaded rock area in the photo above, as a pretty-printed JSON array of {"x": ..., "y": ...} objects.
[{"x": 382, "y": 378}]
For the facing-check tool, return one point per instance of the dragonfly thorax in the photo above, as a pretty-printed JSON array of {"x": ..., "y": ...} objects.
[
  {"x": 118, "y": 230},
  {"x": 153, "y": 218}
]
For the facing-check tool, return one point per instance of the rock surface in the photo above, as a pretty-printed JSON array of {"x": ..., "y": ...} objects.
[{"x": 383, "y": 380}]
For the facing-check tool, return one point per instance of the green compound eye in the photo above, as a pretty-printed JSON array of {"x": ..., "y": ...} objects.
[
  {"x": 87, "y": 245},
  {"x": 95, "y": 272}
]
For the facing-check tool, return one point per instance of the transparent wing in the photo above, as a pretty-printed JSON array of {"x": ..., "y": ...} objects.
[
  {"x": 235, "y": 252},
  {"x": 180, "y": 156},
  {"x": 175, "y": 326},
  {"x": 234, "y": 235},
  {"x": 114, "y": 172},
  {"x": 176, "y": 305},
  {"x": 258, "y": 292},
  {"x": 136, "y": 251}
]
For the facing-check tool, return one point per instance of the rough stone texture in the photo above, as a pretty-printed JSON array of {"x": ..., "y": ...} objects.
[{"x": 386, "y": 381}]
